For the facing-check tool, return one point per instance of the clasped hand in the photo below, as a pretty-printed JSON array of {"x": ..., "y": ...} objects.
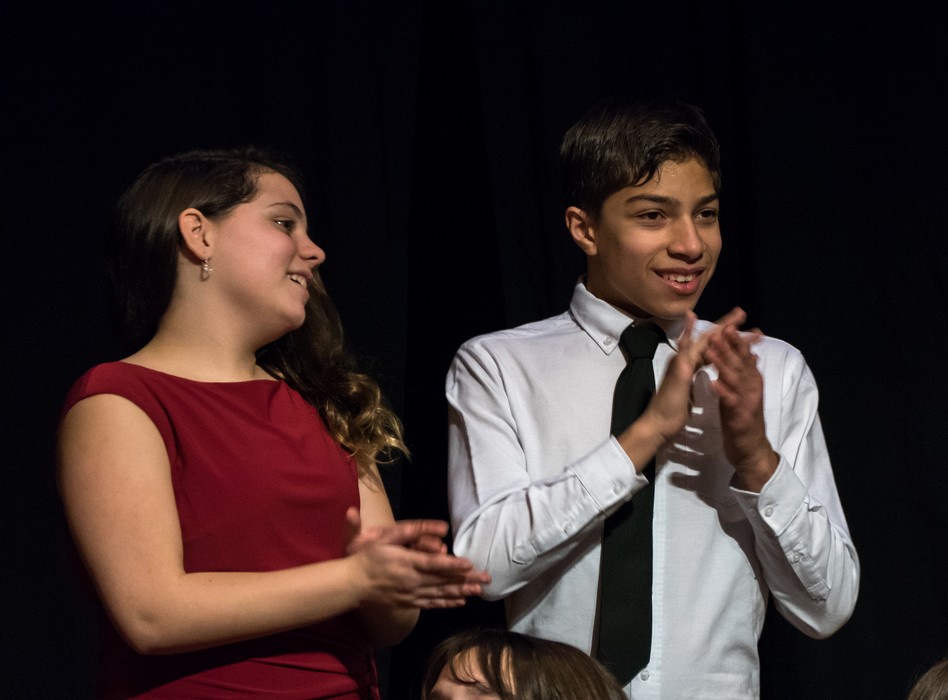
[
  {"x": 740, "y": 390},
  {"x": 407, "y": 564}
]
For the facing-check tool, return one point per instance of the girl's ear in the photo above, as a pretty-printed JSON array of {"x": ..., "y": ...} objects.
[{"x": 196, "y": 232}]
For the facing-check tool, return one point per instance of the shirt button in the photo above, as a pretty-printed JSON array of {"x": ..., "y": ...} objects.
[
  {"x": 608, "y": 341},
  {"x": 769, "y": 511},
  {"x": 644, "y": 675}
]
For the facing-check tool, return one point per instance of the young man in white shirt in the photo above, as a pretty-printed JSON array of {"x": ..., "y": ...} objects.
[{"x": 745, "y": 504}]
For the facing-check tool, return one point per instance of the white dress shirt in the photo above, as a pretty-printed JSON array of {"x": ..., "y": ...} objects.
[{"x": 533, "y": 472}]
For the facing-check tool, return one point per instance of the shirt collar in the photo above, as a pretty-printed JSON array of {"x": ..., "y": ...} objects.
[{"x": 604, "y": 323}]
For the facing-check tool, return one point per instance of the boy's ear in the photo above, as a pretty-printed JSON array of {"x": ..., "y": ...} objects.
[
  {"x": 582, "y": 228},
  {"x": 195, "y": 230}
]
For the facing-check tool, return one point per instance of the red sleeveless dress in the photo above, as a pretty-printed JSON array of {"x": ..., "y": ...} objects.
[{"x": 259, "y": 485}]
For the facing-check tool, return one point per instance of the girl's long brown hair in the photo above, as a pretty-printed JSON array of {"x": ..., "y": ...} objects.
[{"x": 312, "y": 359}]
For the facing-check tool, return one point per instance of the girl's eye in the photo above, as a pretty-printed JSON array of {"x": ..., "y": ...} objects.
[{"x": 286, "y": 223}]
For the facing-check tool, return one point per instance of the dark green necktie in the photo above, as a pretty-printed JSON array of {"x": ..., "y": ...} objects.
[{"x": 625, "y": 604}]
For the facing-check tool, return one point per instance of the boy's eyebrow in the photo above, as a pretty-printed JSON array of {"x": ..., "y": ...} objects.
[{"x": 661, "y": 199}]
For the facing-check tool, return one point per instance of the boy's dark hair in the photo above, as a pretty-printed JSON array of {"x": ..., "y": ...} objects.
[{"x": 623, "y": 143}]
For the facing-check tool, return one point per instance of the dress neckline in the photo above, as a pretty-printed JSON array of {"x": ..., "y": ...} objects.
[{"x": 271, "y": 380}]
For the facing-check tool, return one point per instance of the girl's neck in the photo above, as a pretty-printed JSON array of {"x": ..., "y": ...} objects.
[{"x": 201, "y": 359}]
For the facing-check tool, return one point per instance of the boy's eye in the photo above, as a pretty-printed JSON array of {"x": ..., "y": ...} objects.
[
  {"x": 650, "y": 215},
  {"x": 708, "y": 214}
]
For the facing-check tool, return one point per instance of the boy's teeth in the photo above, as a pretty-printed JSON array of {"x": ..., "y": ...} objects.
[{"x": 680, "y": 278}]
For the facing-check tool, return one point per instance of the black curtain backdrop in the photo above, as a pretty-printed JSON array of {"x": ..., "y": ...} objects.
[{"x": 428, "y": 132}]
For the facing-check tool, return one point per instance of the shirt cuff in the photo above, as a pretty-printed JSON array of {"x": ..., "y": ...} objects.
[
  {"x": 608, "y": 475},
  {"x": 777, "y": 503}
]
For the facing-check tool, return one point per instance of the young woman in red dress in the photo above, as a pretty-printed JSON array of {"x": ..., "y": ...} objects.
[{"x": 220, "y": 482}]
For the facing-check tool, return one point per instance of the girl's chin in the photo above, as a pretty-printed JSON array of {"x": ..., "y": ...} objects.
[{"x": 288, "y": 327}]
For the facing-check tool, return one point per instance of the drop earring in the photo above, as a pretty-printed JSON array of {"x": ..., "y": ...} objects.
[{"x": 206, "y": 269}]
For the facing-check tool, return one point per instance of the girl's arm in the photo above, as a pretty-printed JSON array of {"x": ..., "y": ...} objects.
[{"x": 114, "y": 478}]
